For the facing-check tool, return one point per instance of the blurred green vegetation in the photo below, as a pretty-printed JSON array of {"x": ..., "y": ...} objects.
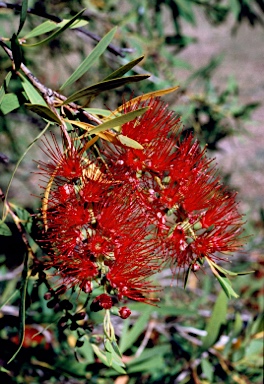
[{"x": 167, "y": 344}]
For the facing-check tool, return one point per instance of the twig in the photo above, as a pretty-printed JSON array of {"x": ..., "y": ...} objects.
[
  {"x": 151, "y": 326},
  {"x": 47, "y": 93},
  {"x": 111, "y": 47},
  {"x": 11, "y": 275}
]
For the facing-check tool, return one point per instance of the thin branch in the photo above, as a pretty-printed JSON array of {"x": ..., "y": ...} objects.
[
  {"x": 48, "y": 94},
  {"x": 111, "y": 47}
]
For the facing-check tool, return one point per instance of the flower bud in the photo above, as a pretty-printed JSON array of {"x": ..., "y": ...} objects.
[
  {"x": 124, "y": 312},
  {"x": 61, "y": 290},
  {"x": 87, "y": 287},
  {"x": 48, "y": 295},
  {"x": 103, "y": 301}
]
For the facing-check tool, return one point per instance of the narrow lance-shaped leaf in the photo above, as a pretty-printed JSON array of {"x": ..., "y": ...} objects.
[
  {"x": 16, "y": 51},
  {"x": 125, "y": 140},
  {"x": 223, "y": 280},
  {"x": 44, "y": 112},
  {"x": 146, "y": 96},
  {"x": 230, "y": 273},
  {"x": 22, "y": 306},
  {"x": 49, "y": 26},
  {"x": 124, "y": 69},
  {"x": 56, "y": 33},
  {"x": 98, "y": 111},
  {"x": 45, "y": 27},
  {"x": 4, "y": 86},
  {"x": 226, "y": 285},
  {"x": 217, "y": 318},
  {"x": 116, "y": 122},
  {"x": 4, "y": 229},
  {"x": 95, "y": 89},
  {"x": 23, "y": 15},
  {"x": 91, "y": 58},
  {"x": 131, "y": 335},
  {"x": 9, "y": 103},
  {"x": 33, "y": 95}
]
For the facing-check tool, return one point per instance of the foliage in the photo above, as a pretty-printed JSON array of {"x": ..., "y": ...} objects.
[{"x": 62, "y": 334}]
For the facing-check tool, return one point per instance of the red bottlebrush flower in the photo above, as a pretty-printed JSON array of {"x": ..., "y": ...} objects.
[
  {"x": 155, "y": 130},
  {"x": 99, "y": 245},
  {"x": 76, "y": 270},
  {"x": 203, "y": 210},
  {"x": 157, "y": 122},
  {"x": 124, "y": 312},
  {"x": 120, "y": 222},
  {"x": 68, "y": 224},
  {"x": 135, "y": 260},
  {"x": 65, "y": 165}
]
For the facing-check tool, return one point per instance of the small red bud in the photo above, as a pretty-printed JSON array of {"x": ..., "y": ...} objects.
[
  {"x": 48, "y": 296},
  {"x": 195, "y": 267},
  {"x": 124, "y": 312},
  {"x": 87, "y": 287},
  {"x": 61, "y": 290}
]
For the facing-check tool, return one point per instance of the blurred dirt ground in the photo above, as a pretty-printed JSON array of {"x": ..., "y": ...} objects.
[{"x": 242, "y": 155}]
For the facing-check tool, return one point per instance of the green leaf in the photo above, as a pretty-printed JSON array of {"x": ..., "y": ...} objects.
[
  {"x": 151, "y": 365},
  {"x": 149, "y": 353},
  {"x": 44, "y": 112},
  {"x": 49, "y": 26},
  {"x": 23, "y": 15},
  {"x": 9, "y": 103},
  {"x": 22, "y": 306},
  {"x": 33, "y": 96},
  {"x": 2, "y": 369},
  {"x": 217, "y": 318},
  {"x": 87, "y": 351},
  {"x": 24, "y": 216},
  {"x": 130, "y": 336},
  {"x": 116, "y": 348},
  {"x": 4, "y": 229},
  {"x": 56, "y": 33},
  {"x": 95, "y": 89},
  {"x": 45, "y": 27},
  {"x": 118, "y": 121},
  {"x": 226, "y": 285},
  {"x": 16, "y": 51},
  {"x": 187, "y": 275},
  {"x": 91, "y": 58},
  {"x": 223, "y": 280},
  {"x": 124, "y": 69},
  {"x": 99, "y": 353},
  {"x": 3, "y": 88},
  {"x": 208, "y": 370},
  {"x": 129, "y": 142},
  {"x": 235, "y": 8},
  {"x": 9, "y": 294},
  {"x": 98, "y": 111},
  {"x": 230, "y": 273},
  {"x": 185, "y": 11},
  {"x": 118, "y": 368},
  {"x": 77, "y": 24}
]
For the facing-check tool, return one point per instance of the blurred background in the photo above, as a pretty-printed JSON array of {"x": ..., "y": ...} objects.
[{"x": 214, "y": 51}]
